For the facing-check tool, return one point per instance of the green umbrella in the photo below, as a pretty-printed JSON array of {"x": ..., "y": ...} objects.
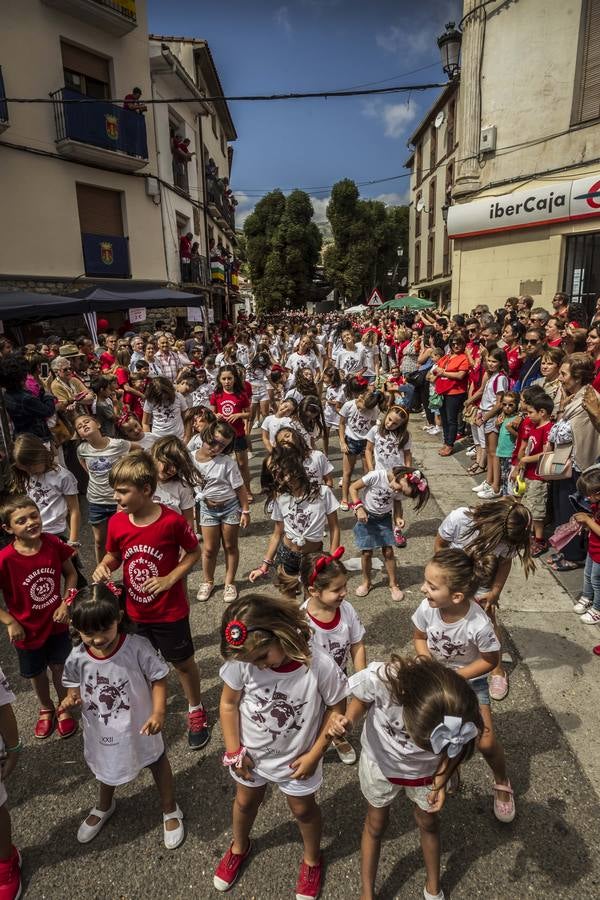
[{"x": 408, "y": 303}]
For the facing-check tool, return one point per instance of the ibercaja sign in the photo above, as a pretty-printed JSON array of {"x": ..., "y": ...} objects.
[{"x": 563, "y": 201}]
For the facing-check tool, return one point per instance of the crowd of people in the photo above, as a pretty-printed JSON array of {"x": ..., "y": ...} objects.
[{"x": 156, "y": 432}]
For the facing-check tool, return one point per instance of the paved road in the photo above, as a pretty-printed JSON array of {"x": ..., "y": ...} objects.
[{"x": 551, "y": 850}]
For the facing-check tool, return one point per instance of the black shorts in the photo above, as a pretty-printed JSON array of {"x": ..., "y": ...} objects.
[
  {"x": 173, "y": 639},
  {"x": 53, "y": 653},
  {"x": 240, "y": 443},
  {"x": 356, "y": 447}
]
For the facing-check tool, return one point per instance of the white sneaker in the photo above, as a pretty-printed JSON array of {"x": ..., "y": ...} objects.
[
  {"x": 582, "y": 606},
  {"x": 480, "y": 487},
  {"x": 488, "y": 493},
  {"x": 429, "y": 896},
  {"x": 435, "y": 429},
  {"x": 471, "y": 452},
  {"x": 427, "y": 427},
  {"x": 591, "y": 617}
]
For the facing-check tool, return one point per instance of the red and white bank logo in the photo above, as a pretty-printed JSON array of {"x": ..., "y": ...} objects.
[{"x": 592, "y": 197}]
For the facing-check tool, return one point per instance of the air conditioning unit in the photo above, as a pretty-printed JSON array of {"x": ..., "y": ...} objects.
[
  {"x": 152, "y": 187},
  {"x": 487, "y": 140}
]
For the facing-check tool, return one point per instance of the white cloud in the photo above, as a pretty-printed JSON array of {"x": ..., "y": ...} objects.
[
  {"x": 244, "y": 208},
  {"x": 397, "y": 40},
  {"x": 393, "y": 198},
  {"x": 320, "y": 208},
  {"x": 281, "y": 17},
  {"x": 394, "y": 116}
]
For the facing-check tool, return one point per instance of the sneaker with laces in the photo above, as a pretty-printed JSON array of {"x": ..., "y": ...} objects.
[
  {"x": 591, "y": 617},
  {"x": 582, "y": 605},
  {"x": 308, "y": 885},
  {"x": 488, "y": 493},
  {"x": 10, "y": 876},
  {"x": 480, "y": 487},
  {"x": 198, "y": 730},
  {"x": 227, "y": 871}
]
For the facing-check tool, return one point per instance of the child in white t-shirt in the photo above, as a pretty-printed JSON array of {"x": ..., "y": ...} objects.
[
  {"x": 383, "y": 493},
  {"x": 120, "y": 683},
  {"x": 176, "y": 477},
  {"x": 421, "y": 722},
  {"x": 335, "y": 396},
  {"x": 163, "y": 409},
  {"x": 317, "y": 465},
  {"x": 388, "y": 445},
  {"x": 357, "y": 417},
  {"x": 452, "y": 628},
  {"x": 278, "y": 693},
  {"x": 286, "y": 410},
  {"x": 335, "y": 623}
]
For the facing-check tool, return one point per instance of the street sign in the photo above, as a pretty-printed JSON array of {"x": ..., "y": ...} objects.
[
  {"x": 375, "y": 299},
  {"x": 194, "y": 314},
  {"x": 137, "y": 314}
]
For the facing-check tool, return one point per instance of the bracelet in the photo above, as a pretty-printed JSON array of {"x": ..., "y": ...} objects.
[
  {"x": 16, "y": 749},
  {"x": 268, "y": 562},
  {"x": 234, "y": 759},
  {"x": 245, "y": 512},
  {"x": 74, "y": 543}
]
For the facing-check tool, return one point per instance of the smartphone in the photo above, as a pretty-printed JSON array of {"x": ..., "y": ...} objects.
[{"x": 44, "y": 370}]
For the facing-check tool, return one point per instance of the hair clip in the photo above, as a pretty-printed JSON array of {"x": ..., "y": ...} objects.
[
  {"x": 236, "y": 633},
  {"x": 451, "y": 733},
  {"x": 123, "y": 417},
  {"x": 71, "y": 594},
  {"x": 361, "y": 382},
  {"x": 114, "y": 589},
  {"x": 323, "y": 561},
  {"x": 418, "y": 479}
]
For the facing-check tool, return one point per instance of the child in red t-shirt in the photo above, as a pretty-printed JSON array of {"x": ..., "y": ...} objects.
[
  {"x": 36, "y": 618},
  {"x": 539, "y": 408},
  {"x": 231, "y": 402},
  {"x": 147, "y": 539}
]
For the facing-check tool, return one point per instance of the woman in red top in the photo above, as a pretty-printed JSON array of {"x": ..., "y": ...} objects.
[
  {"x": 554, "y": 332},
  {"x": 592, "y": 344},
  {"x": 230, "y": 401},
  {"x": 512, "y": 334},
  {"x": 451, "y": 382}
]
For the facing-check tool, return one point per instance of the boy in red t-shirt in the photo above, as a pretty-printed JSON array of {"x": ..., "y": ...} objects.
[
  {"x": 147, "y": 539},
  {"x": 36, "y": 613},
  {"x": 539, "y": 408}
]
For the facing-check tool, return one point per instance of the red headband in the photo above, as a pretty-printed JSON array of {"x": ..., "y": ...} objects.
[
  {"x": 361, "y": 382},
  {"x": 324, "y": 561}
]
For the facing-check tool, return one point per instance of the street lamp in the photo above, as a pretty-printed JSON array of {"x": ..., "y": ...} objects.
[{"x": 449, "y": 43}]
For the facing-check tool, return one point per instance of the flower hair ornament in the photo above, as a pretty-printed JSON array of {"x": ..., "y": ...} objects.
[
  {"x": 418, "y": 479},
  {"x": 451, "y": 733},
  {"x": 361, "y": 381},
  {"x": 324, "y": 561},
  {"x": 236, "y": 633},
  {"x": 114, "y": 589}
]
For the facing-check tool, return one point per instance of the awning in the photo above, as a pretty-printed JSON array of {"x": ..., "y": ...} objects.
[
  {"x": 24, "y": 305},
  {"x": 104, "y": 300}
]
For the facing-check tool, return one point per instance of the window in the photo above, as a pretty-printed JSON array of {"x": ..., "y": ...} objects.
[
  {"x": 85, "y": 72},
  {"x": 581, "y": 279},
  {"x": 446, "y": 262},
  {"x": 586, "y": 100},
  {"x": 418, "y": 215},
  {"x": 419, "y": 165},
  {"x": 430, "y": 253},
  {"x": 432, "y": 148},
  {"x": 100, "y": 211},
  {"x": 432, "y": 203},
  {"x": 449, "y": 177},
  {"x": 417, "y": 274},
  {"x": 450, "y": 127}
]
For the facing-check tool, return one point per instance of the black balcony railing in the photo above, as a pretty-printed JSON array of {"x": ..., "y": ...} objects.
[
  {"x": 195, "y": 271},
  {"x": 106, "y": 255},
  {"x": 99, "y": 123},
  {"x": 3, "y": 103},
  {"x": 180, "y": 175},
  {"x": 126, "y": 8}
]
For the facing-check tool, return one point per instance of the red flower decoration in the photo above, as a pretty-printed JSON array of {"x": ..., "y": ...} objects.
[
  {"x": 236, "y": 633},
  {"x": 324, "y": 561}
]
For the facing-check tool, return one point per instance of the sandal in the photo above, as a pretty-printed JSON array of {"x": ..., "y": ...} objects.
[
  {"x": 445, "y": 451},
  {"x": 565, "y": 565},
  {"x": 67, "y": 725},
  {"x": 45, "y": 724},
  {"x": 174, "y": 837},
  {"x": 504, "y": 810},
  {"x": 362, "y": 590},
  {"x": 476, "y": 469}
]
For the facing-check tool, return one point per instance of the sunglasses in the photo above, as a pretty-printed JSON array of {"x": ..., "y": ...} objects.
[{"x": 531, "y": 342}]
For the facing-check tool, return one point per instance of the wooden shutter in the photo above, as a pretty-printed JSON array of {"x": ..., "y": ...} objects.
[
  {"x": 85, "y": 63},
  {"x": 99, "y": 210},
  {"x": 587, "y": 86}
]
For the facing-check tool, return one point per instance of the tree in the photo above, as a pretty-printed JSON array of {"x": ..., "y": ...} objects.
[
  {"x": 366, "y": 237},
  {"x": 282, "y": 247}
]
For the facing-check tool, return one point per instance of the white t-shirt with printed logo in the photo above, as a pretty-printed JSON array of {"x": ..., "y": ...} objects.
[
  {"x": 351, "y": 361},
  {"x": 358, "y": 421},
  {"x": 116, "y": 698},
  {"x": 304, "y": 520},
  {"x": 456, "y": 644},
  {"x": 221, "y": 478},
  {"x": 337, "y": 637},
  {"x": 271, "y": 424},
  {"x": 48, "y": 492},
  {"x": 99, "y": 463},
  {"x": 174, "y": 494},
  {"x": 200, "y": 397},
  {"x": 378, "y": 497},
  {"x": 167, "y": 420},
  {"x": 333, "y": 396},
  {"x": 455, "y": 530},
  {"x": 384, "y": 737},
  {"x": 281, "y": 711},
  {"x": 317, "y": 466},
  {"x": 386, "y": 452}
]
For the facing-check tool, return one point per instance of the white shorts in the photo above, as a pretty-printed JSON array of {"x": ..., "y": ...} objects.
[
  {"x": 380, "y": 792},
  {"x": 478, "y": 435},
  {"x": 292, "y": 787},
  {"x": 259, "y": 395}
]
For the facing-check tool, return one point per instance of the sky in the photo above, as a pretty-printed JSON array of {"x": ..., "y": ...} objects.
[{"x": 266, "y": 46}]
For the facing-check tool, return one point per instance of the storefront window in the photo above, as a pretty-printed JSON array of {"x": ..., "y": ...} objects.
[{"x": 581, "y": 279}]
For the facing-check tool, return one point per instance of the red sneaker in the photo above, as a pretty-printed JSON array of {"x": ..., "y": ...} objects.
[
  {"x": 228, "y": 869},
  {"x": 45, "y": 724},
  {"x": 308, "y": 885},
  {"x": 10, "y": 876},
  {"x": 67, "y": 726}
]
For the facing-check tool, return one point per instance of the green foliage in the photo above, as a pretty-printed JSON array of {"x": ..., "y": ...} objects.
[
  {"x": 366, "y": 237},
  {"x": 282, "y": 249}
]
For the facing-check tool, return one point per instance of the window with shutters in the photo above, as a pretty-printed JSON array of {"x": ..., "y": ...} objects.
[
  {"x": 100, "y": 211},
  {"x": 450, "y": 127},
  {"x": 586, "y": 101},
  {"x": 431, "y": 203},
  {"x": 430, "y": 254},
  {"x": 446, "y": 261},
  {"x": 418, "y": 214},
  {"x": 419, "y": 163},
  {"x": 85, "y": 72},
  {"x": 432, "y": 148},
  {"x": 417, "y": 273}
]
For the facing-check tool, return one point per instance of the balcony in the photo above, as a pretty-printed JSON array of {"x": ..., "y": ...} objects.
[
  {"x": 115, "y": 16},
  {"x": 195, "y": 271},
  {"x": 99, "y": 132},
  {"x": 219, "y": 209},
  {"x": 106, "y": 255},
  {"x": 3, "y": 106}
]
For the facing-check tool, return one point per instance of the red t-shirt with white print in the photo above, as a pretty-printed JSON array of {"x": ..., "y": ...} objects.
[
  {"x": 151, "y": 551},
  {"x": 230, "y": 404},
  {"x": 32, "y": 588}
]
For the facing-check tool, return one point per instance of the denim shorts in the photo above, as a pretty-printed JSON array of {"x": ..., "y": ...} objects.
[
  {"x": 227, "y": 513},
  {"x": 100, "y": 512},
  {"x": 356, "y": 447},
  {"x": 481, "y": 688},
  {"x": 53, "y": 653}
]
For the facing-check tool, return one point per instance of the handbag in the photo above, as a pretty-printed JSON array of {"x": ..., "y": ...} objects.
[
  {"x": 470, "y": 416},
  {"x": 557, "y": 464},
  {"x": 564, "y": 534}
]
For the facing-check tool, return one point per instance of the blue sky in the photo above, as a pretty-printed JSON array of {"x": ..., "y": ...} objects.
[{"x": 308, "y": 45}]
